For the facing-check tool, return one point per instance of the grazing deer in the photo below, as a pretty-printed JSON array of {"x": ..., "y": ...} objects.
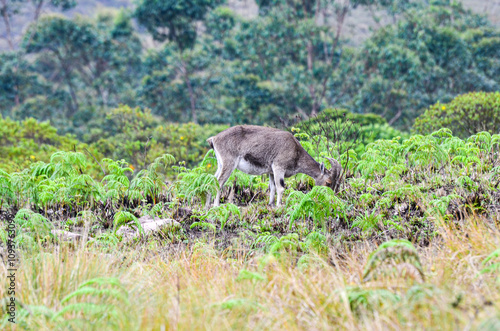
[{"x": 258, "y": 150}]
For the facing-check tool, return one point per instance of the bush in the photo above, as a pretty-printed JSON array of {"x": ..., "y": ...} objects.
[
  {"x": 465, "y": 115},
  {"x": 139, "y": 137},
  {"x": 22, "y": 143},
  {"x": 367, "y": 127}
]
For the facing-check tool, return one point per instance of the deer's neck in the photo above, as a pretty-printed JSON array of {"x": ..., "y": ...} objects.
[{"x": 309, "y": 166}]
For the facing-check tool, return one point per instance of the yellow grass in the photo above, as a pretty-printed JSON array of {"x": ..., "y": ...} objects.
[{"x": 199, "y": 288}]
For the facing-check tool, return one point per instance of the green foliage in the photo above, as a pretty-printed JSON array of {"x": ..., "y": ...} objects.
[
  {"x": 223, "y": 212},
  {"x": 319, "y": 204},
  {"x": 126, "y": 218},
  {"x": 6, "y": 189},
  {"x": 491, "y": 263},
  {"x": 150, "y": 182},
  {"x": 465, "y": 115},
  {"x": 87, "y": 300},
  {"x": 138, "y": 136},
  {"x": 31, "y": 229},
  {"x": 22, "y": 143},
  {"x": 249, "y": 275},
  {"x": 395, "y": 258},
  {"x": 89, "y": 52},
  {"x": 174, "y": 21},
  {"x": 315, "y": 242},
  {"x": 281, "y": 63},
  {"x": 116, "y": 182},
  {"x": 367, "y": 300},
  {"x": 433, "y": 53},
  {"x": 368, "y": 221}
]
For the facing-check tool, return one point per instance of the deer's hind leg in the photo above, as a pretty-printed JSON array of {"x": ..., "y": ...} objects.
[
  {"x": 222, "y": 178},
  {"x": 225, "y": 166}
]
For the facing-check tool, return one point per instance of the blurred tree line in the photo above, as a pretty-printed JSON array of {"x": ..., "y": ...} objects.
[{"x": 212, "y": 66}]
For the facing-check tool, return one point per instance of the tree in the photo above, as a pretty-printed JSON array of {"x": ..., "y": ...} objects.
[
  {"x": 18, "y": 81},
  {"x": 97, "y": 60},
  {"x": 12, "y": 7},
  {"x": 433, "y": 53},
  {"x": 292, "y": 52},
  {"x": 176, "y": 21}
]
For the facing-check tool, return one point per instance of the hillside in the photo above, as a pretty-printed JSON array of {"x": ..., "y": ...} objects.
[{"x": 359, "y": 24}]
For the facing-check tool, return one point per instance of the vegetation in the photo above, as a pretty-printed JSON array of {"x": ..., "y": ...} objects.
[
  {"x": 430, "y": 204},
  {"x": 105, "y": 173},
  {"x": 282, "y": 63},
  {"x": 466, "y": 115}
]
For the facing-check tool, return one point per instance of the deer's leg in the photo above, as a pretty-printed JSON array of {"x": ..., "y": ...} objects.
[
  {"x": 208, "y": 201},
  {"x": 222, "y": 177},
  {"x": 279, "y": 182},
  {"x": 209, "y": 195},
  {"x": 272, "y": 189}
]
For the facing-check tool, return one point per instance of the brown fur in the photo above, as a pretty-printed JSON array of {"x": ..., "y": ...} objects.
[{"x": 276, "y": 152}]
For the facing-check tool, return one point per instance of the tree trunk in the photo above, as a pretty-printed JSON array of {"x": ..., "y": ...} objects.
[
  {"x": 192, "y": 96},
  {"x": 67, "y": 76},
  {"x": 7, "y": 24},
  {"x": 16, "y": 97},
  {"x": 38, "y": 9},
  {"x": 312, "y": 89}
]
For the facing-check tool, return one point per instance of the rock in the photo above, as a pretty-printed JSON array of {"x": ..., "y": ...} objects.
[
  {"x": 149, "y": 225},
  {"x": 401, "y": 208},
  {"x": 441, "y": 192},
  {"x": 156, "y": 225},
  {"x": 66, "y": 235}
]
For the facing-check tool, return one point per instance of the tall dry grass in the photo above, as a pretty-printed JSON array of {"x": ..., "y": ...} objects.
[{"x": 155, "y": 288}]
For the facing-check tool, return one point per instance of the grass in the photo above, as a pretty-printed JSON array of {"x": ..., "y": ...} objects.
[
  {"x": 153, "y": 286},
  {"x": 410, "y": 240}
]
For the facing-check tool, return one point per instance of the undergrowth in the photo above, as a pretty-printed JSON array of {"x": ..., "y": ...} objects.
[{"x": 410, "y": 239}]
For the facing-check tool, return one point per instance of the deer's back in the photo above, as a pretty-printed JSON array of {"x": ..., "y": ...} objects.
[{"x": 260, "y": 146}]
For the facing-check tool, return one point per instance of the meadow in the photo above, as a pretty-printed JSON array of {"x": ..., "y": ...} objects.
[
  {"x": 105, "y": 172},
  {"x": 409, "y": 240}
]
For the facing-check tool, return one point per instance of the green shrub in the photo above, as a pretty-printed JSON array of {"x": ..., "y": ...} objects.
[
  {"x": 29, "y": 141},
  {"x": 139, "y": 137},
  {"x": 366, "y": 127},
  {"x": 465, "y": 115}
]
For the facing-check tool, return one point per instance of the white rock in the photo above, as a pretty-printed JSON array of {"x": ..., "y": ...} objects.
[
  {"x": 66, "y": 235},
  {"x": 149, "y": 225}
]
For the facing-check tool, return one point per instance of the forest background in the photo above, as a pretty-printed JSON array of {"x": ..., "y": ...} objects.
[{"x": 118, "y": 76}]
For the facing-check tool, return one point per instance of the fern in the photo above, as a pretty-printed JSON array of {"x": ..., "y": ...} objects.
[
  {"x": 31, "y": 227},
  {"x": 249, "y": 275},
  {"x": 440, "y": 205},
  {"x": 6, "y": 189},
  {"x": 319, "y": 204},
  {"x": 99, "y": 303},
  {"x": 150, "y": 181},
  {"x": 315, "y": 242},
  {"x": 126, "y": 218},
  {"x": 196, "y": 184},
  {"x": 491, "y": 263},
  {"x": 97, "y": 299},
  {"x": 223, "y": 212},
  {"x": 106, "y": 239},
  {"x": 368, "y": 300},
  {"x": 368, "y": 221},
  {"x": 288, "y": 243},
  {"x": 203, "y": 225},
  {"x": 394, "y": 258}
]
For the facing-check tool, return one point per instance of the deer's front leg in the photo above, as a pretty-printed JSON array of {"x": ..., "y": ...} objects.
[
  {"x": 279, "y": 182},
  {"x": 272, "y": 189}
]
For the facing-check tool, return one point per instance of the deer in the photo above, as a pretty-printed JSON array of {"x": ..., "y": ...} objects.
[{"x": 259, "y": 150}]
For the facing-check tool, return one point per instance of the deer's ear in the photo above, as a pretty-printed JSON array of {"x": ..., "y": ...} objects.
[{"x": 322, "y": 168}]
